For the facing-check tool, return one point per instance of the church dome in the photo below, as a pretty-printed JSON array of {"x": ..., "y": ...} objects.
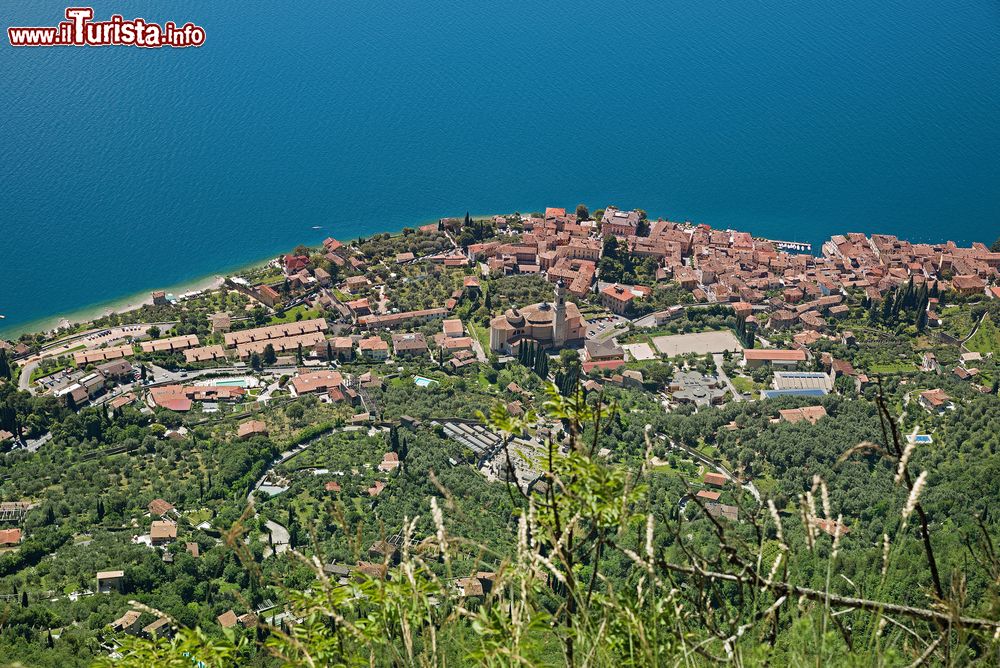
[{"x": 515, "y": 318}]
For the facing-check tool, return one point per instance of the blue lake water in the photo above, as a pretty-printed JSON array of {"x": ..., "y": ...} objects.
[{"x": 124, "y": 170}]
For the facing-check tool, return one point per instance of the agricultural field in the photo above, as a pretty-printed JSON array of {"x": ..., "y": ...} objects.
[{"x": 986, "y": 339}]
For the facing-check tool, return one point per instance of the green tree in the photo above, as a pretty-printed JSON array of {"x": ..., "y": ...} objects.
[{"x": 269, "y": 355}]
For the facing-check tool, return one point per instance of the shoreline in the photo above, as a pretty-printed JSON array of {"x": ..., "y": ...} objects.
[
  {"x": 137, "y": 300},
  {"x": 215, "y": 280},
  {"x": 125, "y": 304},
  {"x": 118, "y": 305}
]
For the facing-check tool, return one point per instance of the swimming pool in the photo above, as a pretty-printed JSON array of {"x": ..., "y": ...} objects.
[
  {"x": 239, "y": 382},
  {"x": 923, "y": 438},
  {"x": 420, "y": 381}
]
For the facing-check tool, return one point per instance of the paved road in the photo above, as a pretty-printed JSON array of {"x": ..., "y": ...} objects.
[
  {"x": 24, "y": 381},
  {"x": 94, "y": 338},
  {"x": 383, "y": 302},
  {"x": 90, "y": 339},
  {"x": 280, "y": 537},
  {"x": 285, "y": 456},
  {"x": 718, "y": 359},
  {"x": 748, "y": 486},
  {"x": 32, "y": 446},
  {"x": 477, "y": 348}
]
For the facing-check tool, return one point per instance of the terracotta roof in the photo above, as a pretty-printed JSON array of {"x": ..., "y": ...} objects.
[
  {"x": 452, "y": 327},
  {"x": 771, "y": 354},
  {"x": 831, "y": 527},
  {"x": 373, "y": 343},
  {"x": 390, "y": 462},
  {"x": 252, "y": 427},
  {"x": 126, "y": 620},
  {"x": 159, "y": 507},
  {"x": 372, "y": 570},
  {"x": 716, "y": 479},
  {"x": 810, "y": 414},
  {"x": 10, "y": 536},
  {"x": 731, "y": 513},
  {"x": 275, "y": 331},
  {"x": 602, "y": 364},
  {"x": 156, "y": 625},
  {"x": 174, "y": 343},
  {"x": 161, "y": 529},
  {"x": 935, "y": 397},
  {"x": 317, "y": 381},
  {"x": 108, "y": 575}
]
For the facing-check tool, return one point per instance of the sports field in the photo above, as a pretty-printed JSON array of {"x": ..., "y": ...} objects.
[{"x": 699, "y": 343}]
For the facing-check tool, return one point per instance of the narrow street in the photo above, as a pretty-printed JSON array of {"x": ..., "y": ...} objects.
[{"x": 718, "y": 359}]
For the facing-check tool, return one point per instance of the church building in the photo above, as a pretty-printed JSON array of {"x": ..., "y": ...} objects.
[{"x": 548, "y": 325}]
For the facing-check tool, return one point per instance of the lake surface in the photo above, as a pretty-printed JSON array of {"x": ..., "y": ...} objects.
[{"x": 124, "y": 170}]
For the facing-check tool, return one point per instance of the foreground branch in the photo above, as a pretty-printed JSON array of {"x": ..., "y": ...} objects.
[{"x": 833, "y": 599}]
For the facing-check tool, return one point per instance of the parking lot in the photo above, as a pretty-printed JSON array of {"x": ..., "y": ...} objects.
[
  {"x": 699, "y": 343},
  {"x": 600, "y": 327}
]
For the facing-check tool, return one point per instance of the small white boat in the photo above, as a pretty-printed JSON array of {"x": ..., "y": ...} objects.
[{"x": 317, "y": 227}]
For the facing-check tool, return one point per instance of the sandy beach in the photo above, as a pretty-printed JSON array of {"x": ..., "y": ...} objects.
[
  {"x": 122, "y": 305},
  {"x": 140, "y": 299}
]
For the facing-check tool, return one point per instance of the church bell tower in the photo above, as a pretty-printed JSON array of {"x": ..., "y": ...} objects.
[{"x": 559, "y": 321}]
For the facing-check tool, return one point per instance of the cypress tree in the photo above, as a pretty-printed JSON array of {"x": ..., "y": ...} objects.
[
  {"x": 873, "y": 314},
  {"x": 887, "y": 309}
]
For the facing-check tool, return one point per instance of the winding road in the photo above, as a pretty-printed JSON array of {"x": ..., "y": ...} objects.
[{"x": 748, "y": 486}]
